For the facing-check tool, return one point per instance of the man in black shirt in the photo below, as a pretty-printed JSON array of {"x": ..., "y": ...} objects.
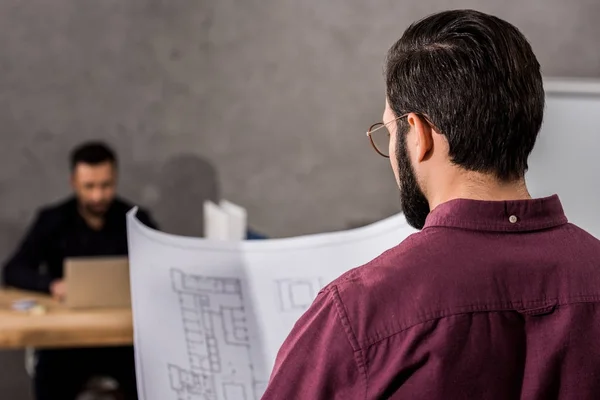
[{"x": 91, "y": 223}]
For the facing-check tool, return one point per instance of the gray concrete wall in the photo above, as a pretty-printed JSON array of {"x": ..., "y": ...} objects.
[{"x": 263, "y": 101}]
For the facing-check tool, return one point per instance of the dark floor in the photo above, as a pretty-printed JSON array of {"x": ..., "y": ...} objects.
[{"x": 14, "y": 382}]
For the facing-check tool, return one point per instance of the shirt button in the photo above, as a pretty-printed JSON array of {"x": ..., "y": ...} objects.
[{"x": 513, "y": 219}]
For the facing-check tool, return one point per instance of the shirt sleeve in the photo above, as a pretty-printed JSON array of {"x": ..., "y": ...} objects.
[
  {"x": 22, "y": 270},
  {"x": 318, "y": 359}
]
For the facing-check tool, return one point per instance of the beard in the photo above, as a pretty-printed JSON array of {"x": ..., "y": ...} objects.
[
  {"x": 96, "y": 210},
  {"x": 414, "y": 203}
]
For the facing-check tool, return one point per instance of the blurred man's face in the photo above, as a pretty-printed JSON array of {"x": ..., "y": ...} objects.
[{"x": 94, "y": 186}]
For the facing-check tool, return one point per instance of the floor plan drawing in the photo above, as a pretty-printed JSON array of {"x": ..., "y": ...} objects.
[
  {"x": 217, "y": 341},
  {"x": 296, "y": 295},
  {"x": 210, "y": 317}
]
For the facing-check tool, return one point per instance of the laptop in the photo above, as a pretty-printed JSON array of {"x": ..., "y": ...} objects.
[{"x": 97, "y": 282}]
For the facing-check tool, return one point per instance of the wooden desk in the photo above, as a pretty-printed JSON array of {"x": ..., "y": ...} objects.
[{"x": 60, "y": 326}]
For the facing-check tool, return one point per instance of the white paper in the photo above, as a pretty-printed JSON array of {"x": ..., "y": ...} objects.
[
  {"x": 225, "y": 221},
  {"x": 236, "y": 218},
  {"x": 210, "y": 316},
  {"x": 216, "y": 222}
]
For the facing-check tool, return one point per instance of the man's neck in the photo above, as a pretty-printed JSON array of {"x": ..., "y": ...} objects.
[
  {"x": 477, "y": 186},
  {"x": 94, "y": 221}
]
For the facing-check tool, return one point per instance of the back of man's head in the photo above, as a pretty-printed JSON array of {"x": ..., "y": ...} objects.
[
  {"x": 478, "y": 81},
  {"x": 92, "y": 153}
]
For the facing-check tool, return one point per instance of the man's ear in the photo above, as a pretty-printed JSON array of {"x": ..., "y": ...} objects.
[{"x": 422, "y": 136}]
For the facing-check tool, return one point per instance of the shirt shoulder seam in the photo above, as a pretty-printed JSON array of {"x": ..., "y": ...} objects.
[
  {"x": 476, "y": 309},
  {"x": 359, "y": 356}
]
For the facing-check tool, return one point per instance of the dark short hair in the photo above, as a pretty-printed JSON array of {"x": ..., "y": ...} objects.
[
  {"x": 477, "y": 80},
  {"x": 92, "y": 153}
]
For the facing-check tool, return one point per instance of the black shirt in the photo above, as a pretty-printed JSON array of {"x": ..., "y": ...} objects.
[{"x": 59, "y": 232}]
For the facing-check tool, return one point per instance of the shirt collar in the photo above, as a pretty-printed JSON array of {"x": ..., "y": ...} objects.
[{"x": 499, "y": 216}]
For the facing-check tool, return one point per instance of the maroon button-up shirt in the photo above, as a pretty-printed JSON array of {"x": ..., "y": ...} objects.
[{"x": 491, "y": 300}]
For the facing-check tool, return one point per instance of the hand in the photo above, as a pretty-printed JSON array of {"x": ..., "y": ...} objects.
[{"x": 58, "y": 289}]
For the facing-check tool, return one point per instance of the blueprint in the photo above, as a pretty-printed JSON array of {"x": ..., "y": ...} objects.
[{"x": 210, "y": 316}]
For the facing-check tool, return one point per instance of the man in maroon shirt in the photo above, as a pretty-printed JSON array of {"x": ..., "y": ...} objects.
[{"x": 498, "y": 296}]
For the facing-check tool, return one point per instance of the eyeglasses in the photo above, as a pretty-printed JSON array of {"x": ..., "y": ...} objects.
[{"x": 379, "y": 136}]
